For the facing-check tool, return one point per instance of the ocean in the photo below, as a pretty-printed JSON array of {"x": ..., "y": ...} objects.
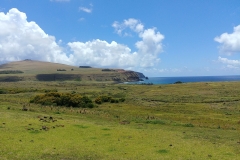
[{"x": 171, "y": 80}]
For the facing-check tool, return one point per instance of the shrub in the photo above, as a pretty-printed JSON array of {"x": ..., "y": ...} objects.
[
  {"x": 122, "y": 99},
  {"x": 98, "y": 100},
  {"x": 106, "y": 69},
  {"x": 102, "y": 99},
  {"x": 3, "y": 91},
  {"x": 178, "y": 82},
  {"x": 63, "y": 99},
  {"x": 89, "y": 105},
  {"x": 106, "y": 98},
  {"x": 112, "y": 101}
]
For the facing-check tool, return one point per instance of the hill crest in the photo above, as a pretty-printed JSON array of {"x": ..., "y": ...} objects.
[{"x": 48, "y": 71}]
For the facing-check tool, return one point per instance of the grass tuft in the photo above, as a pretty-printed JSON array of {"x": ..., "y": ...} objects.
[
  {"x": 81, "y": 126},
  {"x": 162, "y": 151}
]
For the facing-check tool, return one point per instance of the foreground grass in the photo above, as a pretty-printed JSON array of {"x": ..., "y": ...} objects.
[{"x": 187, "y": 121}]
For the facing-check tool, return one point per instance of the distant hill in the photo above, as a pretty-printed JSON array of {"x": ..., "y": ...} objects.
[{"x": 29, "y": 70}]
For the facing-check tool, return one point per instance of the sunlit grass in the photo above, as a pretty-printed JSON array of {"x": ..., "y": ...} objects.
[{"x": 184, "y": 121}]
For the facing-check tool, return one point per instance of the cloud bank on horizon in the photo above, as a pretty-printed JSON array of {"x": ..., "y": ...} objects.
[{"x": 21, "y": 39}]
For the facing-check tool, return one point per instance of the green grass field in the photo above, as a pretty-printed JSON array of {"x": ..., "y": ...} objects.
[{"x": 175, "y": 121}]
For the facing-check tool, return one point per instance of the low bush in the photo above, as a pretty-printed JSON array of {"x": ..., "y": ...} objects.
[
  {"x": 3, "y": 91},
  {"x": 178, "y": 82},
  {"x": 122, "y": 99},
  {"x": 98, "y": 100},
  {"x": 11, "y": 72},
  {"x": 63, "y": 99},
  {"x": 102, "y": 99}
]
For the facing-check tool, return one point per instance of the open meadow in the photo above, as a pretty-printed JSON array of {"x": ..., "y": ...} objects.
[{"x": 175, "y": 121}]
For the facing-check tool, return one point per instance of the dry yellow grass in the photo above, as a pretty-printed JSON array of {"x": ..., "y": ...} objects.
[{"x": 33, "y": 68}]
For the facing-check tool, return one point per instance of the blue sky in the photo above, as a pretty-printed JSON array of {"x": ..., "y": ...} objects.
[{"x": 155, "y": 37}]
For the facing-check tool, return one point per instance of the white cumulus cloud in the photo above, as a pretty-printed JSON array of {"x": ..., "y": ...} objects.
[
  {"x": 20, "y": 39},
  {"x": 150, "y": 44},
  {"x": 133, "y": 24},
  {"x": 102, "y": 53},
  {"x": 230, "y": 43}
]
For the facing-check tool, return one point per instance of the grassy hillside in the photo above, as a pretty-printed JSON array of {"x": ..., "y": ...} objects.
[
  {"x": 46, "y": 71},
  {"x": 177, "y": 121}
]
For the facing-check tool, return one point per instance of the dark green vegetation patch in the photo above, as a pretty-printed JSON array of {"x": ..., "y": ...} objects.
[
  {"x": 162, "y": 151},
  {"x": 102, "y": 99},
  {"x": 11, "y": 72},
  {"x": 63, "y": 99}
]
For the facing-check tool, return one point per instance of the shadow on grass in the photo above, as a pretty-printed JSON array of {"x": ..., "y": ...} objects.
[
  {"x": 162, "y": 151},
  {"x": 81, "y": 126},
  {"x": 106, "y": 129}
]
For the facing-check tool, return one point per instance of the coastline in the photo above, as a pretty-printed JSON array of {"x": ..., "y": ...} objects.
[{"x": 186, "y": 79}]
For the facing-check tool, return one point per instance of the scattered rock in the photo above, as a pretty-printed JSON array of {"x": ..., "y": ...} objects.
[
  {"x": 124, "y": 122},
  {"x": 24, "y": 109},
  {"x": 45, "y": 128},
  {"x": 60, "y": 125}
]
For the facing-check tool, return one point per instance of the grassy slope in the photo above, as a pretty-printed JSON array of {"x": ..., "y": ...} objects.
[
  {"x": 37, "y": 67},
  {"x": 184, "y": 121},
  {"x": 33, "y": 68}
]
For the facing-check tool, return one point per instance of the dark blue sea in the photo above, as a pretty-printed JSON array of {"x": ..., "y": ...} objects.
[{"x": 171, "y": 80}]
